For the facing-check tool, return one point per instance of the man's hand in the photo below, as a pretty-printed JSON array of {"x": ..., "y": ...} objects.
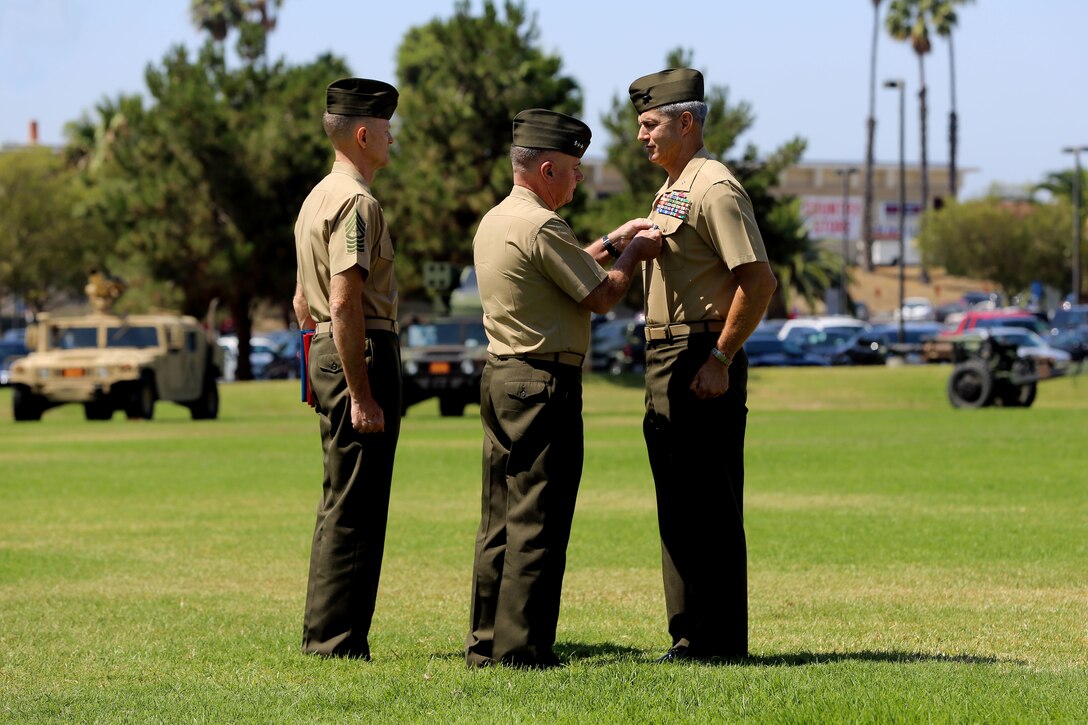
[
  {"x": 711, "y": 381},
  {"x": 629, "y": 229},
  {"x": 367, "y": 416},
  {"x": 647, "y": 245}
]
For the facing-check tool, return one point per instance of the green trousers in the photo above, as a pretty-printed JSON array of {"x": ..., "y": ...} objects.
[
  {"x": 349, "y": 537},
  {"x": 696, "y": 450},
  {"x": 532, "y": 464}
]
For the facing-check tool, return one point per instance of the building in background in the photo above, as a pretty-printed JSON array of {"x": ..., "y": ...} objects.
[{"x": 820, "y": 191}]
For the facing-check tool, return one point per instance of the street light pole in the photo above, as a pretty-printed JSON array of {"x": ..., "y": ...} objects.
[
  {"x": 1075, "y": 150},
  {"x": 845, "y": 174},
  {"x": 902, "y": 86}
]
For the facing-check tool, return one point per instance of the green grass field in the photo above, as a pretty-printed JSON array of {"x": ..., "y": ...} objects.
[{"x": 908, "y": 562}]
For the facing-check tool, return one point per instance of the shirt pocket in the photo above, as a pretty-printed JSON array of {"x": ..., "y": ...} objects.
[
  {"x": 383, "y": 265},
  {"x": 671, "y": 254}
]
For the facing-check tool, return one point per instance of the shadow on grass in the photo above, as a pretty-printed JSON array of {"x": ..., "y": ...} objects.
[
  {"x": 798, "y": 659},
  {"x": 604, "y": 653}
]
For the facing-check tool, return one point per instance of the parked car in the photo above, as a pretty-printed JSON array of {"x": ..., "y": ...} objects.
[
  {"x": 822, "y": 336},
  {"x": 14, "y": 334},
  {"x": 837, "y": 324},
  {"x": 618, "y": 346},
  {"x": 1074, "y": 340},
  {"x": 977, "y": 300},
  {"x": 10, "y": 350},
  {"x": 875, "y": 346},
  {"x": 974, "y": 320},
  {"x": 284, "y": 364},
  {"x": 969, "y": 301},
  {"x": 1069, "y": 316},
  {"x": 465, "y": 298},
  {"x": 767, "y": 350},
  {"x": 262, "y": 352},
  {"x": 443, "y": 357},
  {"x": 916, "y": 308}
]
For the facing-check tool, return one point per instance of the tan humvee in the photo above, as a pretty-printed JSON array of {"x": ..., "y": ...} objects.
[{"x": 109, "y": 363}]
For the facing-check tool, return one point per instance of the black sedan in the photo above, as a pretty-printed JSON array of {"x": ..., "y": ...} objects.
[
  {"x": 765, "y": 350},
  {"x": 874, "y": 346},
  {"x": 1073, "y": 340}
]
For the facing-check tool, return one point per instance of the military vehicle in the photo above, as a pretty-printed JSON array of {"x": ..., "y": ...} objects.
[
  {"x": 443, "y": 358},
  {"x": 109, "y": 363}
]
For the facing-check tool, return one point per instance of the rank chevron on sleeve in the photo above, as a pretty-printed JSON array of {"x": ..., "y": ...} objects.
[{"x": 356, "y": 234}]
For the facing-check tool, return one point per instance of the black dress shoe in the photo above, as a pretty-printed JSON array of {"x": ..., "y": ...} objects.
[
  {"x": 682, "y": 653},
  {"x": 679, "y": 653}
]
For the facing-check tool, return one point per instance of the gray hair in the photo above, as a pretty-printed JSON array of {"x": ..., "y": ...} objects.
[
  {"x": 339, "y": 128},
  {"x": 697, "y": 109},
  {"x": 524, "y": 158}
]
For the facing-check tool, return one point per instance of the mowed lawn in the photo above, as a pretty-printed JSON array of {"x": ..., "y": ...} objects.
[{"x": 907, "y": 562}]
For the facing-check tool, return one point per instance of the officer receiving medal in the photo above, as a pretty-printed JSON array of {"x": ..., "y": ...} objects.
[{"x": 705, "y": 295}]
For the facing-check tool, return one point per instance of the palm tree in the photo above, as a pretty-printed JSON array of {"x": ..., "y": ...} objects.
[
  {"x": 867, "y": 212},
  {"x": 908, "y": 21},
  {"x": 944, "y": 21}
]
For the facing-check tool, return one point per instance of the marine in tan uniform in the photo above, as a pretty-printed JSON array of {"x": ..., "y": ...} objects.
[
  {"x": 705, "y": 295},
  {"x": 347, "y": 292},
  {"x": 538, "y": 287}
]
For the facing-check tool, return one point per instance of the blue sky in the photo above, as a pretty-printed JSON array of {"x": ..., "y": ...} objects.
[{"x": 802, "y": 64}]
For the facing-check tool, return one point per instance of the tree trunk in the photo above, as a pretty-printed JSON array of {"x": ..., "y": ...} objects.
[
  {"x": 923, "y": 273},
  {"x": 867, "y": 212},
  {"x": 867, "y": 209},
  {"x": 243, "y": 328},
  {"x": 953, "y": 125}
]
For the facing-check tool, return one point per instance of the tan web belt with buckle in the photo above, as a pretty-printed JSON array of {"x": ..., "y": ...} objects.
[
  {"x": 372, "y": 323},
  {"x": 563, "y": 358},
  {"x": 674, "y": 330}
]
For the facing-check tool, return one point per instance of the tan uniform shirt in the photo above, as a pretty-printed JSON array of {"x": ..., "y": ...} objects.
[
  {"x": 710, "y": 228},
  {"x": 533, "y": 275},
  {"x": 341, "y": 225}
]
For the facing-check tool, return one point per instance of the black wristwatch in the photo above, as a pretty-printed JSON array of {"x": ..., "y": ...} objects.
[{"x": 609, "y": 246}]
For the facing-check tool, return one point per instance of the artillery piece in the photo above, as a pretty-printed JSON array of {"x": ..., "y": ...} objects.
[{"x": 989, "y": 371}]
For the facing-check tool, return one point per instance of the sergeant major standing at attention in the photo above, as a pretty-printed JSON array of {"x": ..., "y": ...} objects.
[
  {"x": 705, "y": 295},
  {"x": 538, "y": 287},
  {"x": 347, "y": 292}
]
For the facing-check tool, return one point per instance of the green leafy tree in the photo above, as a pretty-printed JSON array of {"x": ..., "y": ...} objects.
[
  {"x": 789, "y": 248},
  {"x": 202, "y": 187},
  {"x": 462, "y": 80},
  {"x": 48, "y": 241},
  {"x": 1012, "y": 244},
  {"x": 1060, "y": 185}
]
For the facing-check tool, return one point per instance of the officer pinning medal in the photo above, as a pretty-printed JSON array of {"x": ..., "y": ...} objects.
[{"x": 538, "y": 287}]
